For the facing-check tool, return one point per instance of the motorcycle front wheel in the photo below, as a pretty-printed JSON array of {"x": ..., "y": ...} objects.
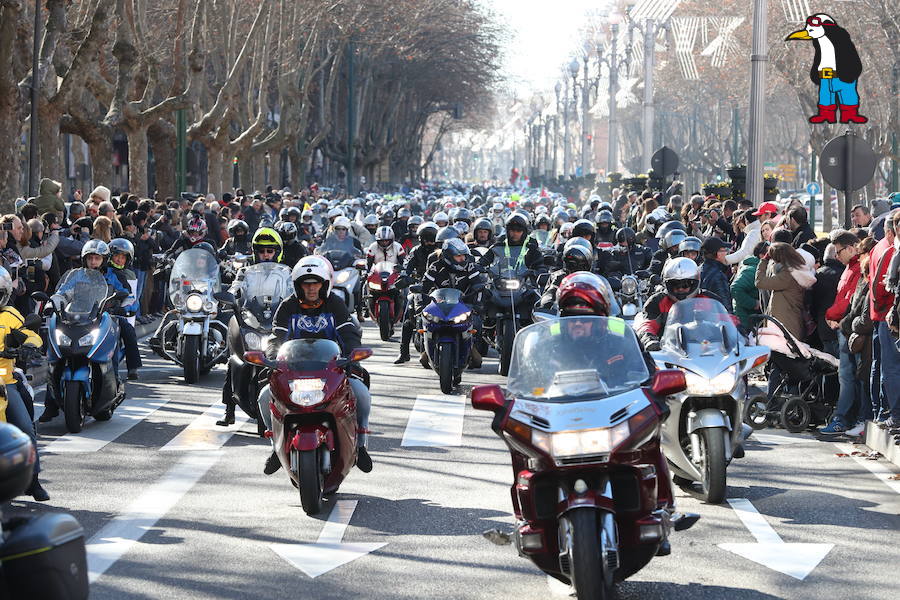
[
  {"x": 712, "y": 463},
  {"x": 507, "y": 337},
  {"x": 72, "y": 406},
  {"x": 312, "y": 481},
  {"x": 446, "y": 367},
  {"x": 384, "y": 320},
  {"x": 190, "y": 358},
  {"x": 591, "y": 578}
]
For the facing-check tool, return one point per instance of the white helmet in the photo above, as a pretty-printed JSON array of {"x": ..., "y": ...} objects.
[
  {"x": 342, "y": 222},
  {"x": 681, "y": 274},
  {"x": 384, "y": 234},
  {"x": 6, "y": 287},
  {"x": 370, "y": 220},
  {"x": 313, "y": 268},
  {"x": 439, "y": 217},
  {"x": 335, "y": 212}
]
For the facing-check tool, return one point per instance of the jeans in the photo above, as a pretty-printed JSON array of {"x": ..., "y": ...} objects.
[
  {"x": 129, "y": 340},
  {"x": 854, "y": 394},
  {"x": 17, "y": 414},
  {"x": 363, "y": 408},
  {"x": 875, "y": 389},
  {"x": 890, "y": 370},
  {"x": 141, "y": 282},
  {"x": 834, "y": 91}
]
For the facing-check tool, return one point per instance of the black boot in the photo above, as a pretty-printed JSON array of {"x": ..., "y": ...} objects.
[
  {"x": 229, "y": 417},
  {"x": 272, "y": 464},
  {"x": 405, "y": 339},
  {"x": 50, "y": 412},
  {"x": 36, "y": 491},
  {"x": 363, "y": 460}
]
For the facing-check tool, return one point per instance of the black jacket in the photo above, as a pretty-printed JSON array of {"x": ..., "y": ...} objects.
[
  {"x": 821, "y": 296},
  {"x": 616, "y": 261},
  {"x": 417, "y": 262},
  {"x": 497, "y": 252},
  {"x": 716, "y": 278},
  {"x": 803, "y": 234},
  {"x": 442, "y": 275}
]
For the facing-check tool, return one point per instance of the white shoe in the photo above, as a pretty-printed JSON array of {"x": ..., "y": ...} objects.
[{"x": 856, "y": 431}]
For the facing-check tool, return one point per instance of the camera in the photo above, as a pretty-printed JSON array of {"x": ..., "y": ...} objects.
[{"x": 6, "y": 226}]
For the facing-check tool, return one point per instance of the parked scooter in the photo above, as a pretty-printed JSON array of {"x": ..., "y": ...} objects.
[
  {"x": 386, "y": 302},
  {"x": 313, "y": 415},
  {"x": 446, "y": 335},
  {"x": 704, "y": 432},
  {"x": 583, "y": 430},
  {"x": 265, "y": 286},
  {"x": 84, "y": 350},
  {"x": 195, "y": 340}
]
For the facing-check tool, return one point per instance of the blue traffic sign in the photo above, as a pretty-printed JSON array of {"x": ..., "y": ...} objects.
[{"x": 813, "y": 188}]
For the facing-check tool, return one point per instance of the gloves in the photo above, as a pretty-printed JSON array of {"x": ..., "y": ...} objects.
[
  {"x": 29, "y": 353},
  {"x": 650, "y": 342}
]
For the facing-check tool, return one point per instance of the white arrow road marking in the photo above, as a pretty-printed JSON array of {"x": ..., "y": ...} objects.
[
  {"x": 329, "y": 552},
  {"x": 796, "y": 560},
  {"x": 435, "y": 421},
  {"x": 118, "y": 536},
  {"x": 203, "y": 433},
  {"x": 98, "y": 434}
]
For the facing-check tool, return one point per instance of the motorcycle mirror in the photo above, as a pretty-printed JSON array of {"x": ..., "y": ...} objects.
[
  {"x": 655, "y": 280},
  {"x": 255, "y": 357},
  {"x": 225, "y": 297},
  {"x": 488, "y": 397},
  {"x": 668, "y": 381},
  {"x": 40, "y": 297},
  {"x": 415, "y": 289},
  {"x": 360, "y": 354}
]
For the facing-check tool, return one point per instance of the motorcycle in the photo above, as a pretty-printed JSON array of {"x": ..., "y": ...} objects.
[
  {"x": 583, "y": 429},
  {"x": 347, "y": 281},
  {"x": 704, "y": 432},
  {"x": 84, "y": 348},
  {"x": 509, "y": 306},
  {"x": 313, "y": 415},
  {"x": 446, "y": 335},
  {"x": 250, "y": 328},
  {"x": 386, "y": 301},
  {"x": 633, "y": 291},
  {"x": 195, "y": 339},
  {"x": 232, "y": 265}
]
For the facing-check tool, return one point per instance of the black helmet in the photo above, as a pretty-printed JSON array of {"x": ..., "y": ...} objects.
[
  {"x": 517, "y": 220},
  {"x": 604, "y": 216},
  {"x": 446, "y": 233},
  {"x": 625, "y": 235},
  {"x": 121, "y": 246},
  {"x": 578, "y": 255},
  {"x": 542, "y": 219},
  {"x": 17, "y": 455},
  {"x": 583, "y": 227},
  {"x": 427, "y": 233},
  {"x": 463, "y": 214},
  {"x": 453, "y": 248},
  {"x": 483, "y": 223},
  {"x": 206, "y": 246},
  {"x": 413, "y": 224},
  {"x": 236, "y": 225}
]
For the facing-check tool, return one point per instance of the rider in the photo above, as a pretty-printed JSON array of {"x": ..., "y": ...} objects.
[
  {"x": 21, "y": 343},
  {"x": 606, "y": 230},
  {"x": 120, "y": 276},
  {"x": 414, "y": 270},
  {"x": 482, "y": 234},
  {"x": 625, "y": 258},
  {"x": 195, "y": 233},
  {"x": 313, "y": 312},
  {"x": 577, "y": 256},
  {"x": 690, "y": 248},
  {"x": 340, "y": 236},
  {"x": 238, "y": 241},
  {"x": 292, "y": 250},
  {"x": 515, "y": 247},
  {"x": 668, "y": 249},
  {"x": 384, "y": 248}
]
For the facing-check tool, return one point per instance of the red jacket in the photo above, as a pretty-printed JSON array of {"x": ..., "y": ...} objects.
[
  {"x": 846, "y": 288},
  {"x": 879, "y": 261}
]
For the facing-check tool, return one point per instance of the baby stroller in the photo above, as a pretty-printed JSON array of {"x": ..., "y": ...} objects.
[{"x": 799, "y": 400}]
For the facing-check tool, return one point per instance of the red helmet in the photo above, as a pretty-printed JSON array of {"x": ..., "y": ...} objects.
[
  {"x": 584, "y": 293},
  {"x": 196, "y": 229}
]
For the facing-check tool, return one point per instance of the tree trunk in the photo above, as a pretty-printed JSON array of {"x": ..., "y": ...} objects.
[
  {"x": 10, "y": 171},
  {"x": 298, "y": 168},
  {"x": 275, "y": 168},
  {"x": 216, "y": 169},
  {"x": 163, "y": 142},
  {"x": 137, "y": 159},
  {"x": 50, "y": 141}
]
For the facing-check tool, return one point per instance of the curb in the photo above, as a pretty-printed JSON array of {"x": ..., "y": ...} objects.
[
  {"x": 880, "y": 440},
  {"x": 38, "y": 374}
]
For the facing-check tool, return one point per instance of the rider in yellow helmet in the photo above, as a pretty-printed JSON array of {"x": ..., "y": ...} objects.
[{"x": 267, "y": 245}]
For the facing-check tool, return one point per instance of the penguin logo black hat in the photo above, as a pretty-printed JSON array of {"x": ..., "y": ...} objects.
[{"x": 835, "y": 69}]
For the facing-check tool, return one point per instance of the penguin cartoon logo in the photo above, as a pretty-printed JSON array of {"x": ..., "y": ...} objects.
[{"x": 835, "y": 69}]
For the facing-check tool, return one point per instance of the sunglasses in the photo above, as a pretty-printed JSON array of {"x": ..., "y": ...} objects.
[
  {"x": 817, "y": 22},
  {"x": 340, "y": 229},
  {"x": 266, "y": 250}
]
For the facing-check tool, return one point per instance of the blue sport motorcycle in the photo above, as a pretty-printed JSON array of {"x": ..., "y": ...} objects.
[
  {"x": 84, "y": 350},
  {"x": 446, "y": 337}
]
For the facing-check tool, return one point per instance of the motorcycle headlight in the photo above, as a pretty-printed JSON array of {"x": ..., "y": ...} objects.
[
  {"x": 430, "y": 317},
  {"x": 629, "y": 286},
  {"x": 194, "y": 303},
  {"x": 588, "y": 442},
  {"x": 724, "y": 382},
  {"x": 462, "y": 318},
  {"x": 62, "y": 339},
  {"x": 307, "y": 392},
  {"x": 342, "y": 277},
  {"x": 374, "y": 285},
  {"x": 510, "y": 284},
  {"x": 252, "y": 341},
  {"x": 89, "y": 339}
]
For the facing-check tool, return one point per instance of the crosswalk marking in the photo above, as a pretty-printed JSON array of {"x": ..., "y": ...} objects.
[
  {"x": 203, "y": 433},
  {"x": 435, "y": 421},
  {"x": 96, "y": 435}
]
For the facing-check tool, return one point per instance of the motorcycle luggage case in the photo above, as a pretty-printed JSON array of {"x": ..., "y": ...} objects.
[{"x": 44, "y": 557}]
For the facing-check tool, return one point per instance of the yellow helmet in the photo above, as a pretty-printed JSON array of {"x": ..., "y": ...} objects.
[{"x": 266, "y": 237}]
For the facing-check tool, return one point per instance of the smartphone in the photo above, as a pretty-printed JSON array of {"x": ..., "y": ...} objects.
[{"x": 6, "y": 227}]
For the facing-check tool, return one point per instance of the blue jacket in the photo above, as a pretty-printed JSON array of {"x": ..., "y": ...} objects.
[
  {"x": 118, "y": 280},
  {"x": 715, "y": 277}
]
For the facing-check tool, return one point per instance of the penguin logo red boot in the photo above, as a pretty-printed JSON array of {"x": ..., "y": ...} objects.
[{"x": 835, "y": 69}]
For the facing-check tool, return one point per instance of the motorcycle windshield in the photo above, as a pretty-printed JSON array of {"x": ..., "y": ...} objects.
[
  {"x": 446, "y": 298},
  {"x": 194, "y": 270},
  {"x": 542, "y": 238},
  {"x": 383, "y": 267},
  {"x": 265, "y": 286},
  {"x": 83, "y": 291},
  {"x": 700, "y": 327},
  {"x": 307, "y": 355},
  {"x": 339, "y": 259},
  {"x": 576, "y": 358},
  {"x": 333, "y": 244}
]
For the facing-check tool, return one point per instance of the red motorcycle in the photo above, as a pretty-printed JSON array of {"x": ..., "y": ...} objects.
[
  {"x": 386, "y": 301},
  {"x": 313, "y": 415},
  {"x": 591, "y": 491}
]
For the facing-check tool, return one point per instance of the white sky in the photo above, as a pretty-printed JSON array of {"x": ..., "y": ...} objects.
[{"x": 544, "y": 36}]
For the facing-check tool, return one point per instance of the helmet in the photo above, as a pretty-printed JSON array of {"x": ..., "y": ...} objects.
[
  {"x": 384, "y": 237},
  {"x": 453, "y": 248},
  {"x": 516, "y": 220},
  {"x": 565, "y": 230},
  {"x": 578, "y": 255},
  {"x": 679, "y": 273},
  {"x": 446, "y": 233},
  {"x": 462, "y": 227},
  {"x": 122, "y": 246},
  {"x": 605, "y": 206},
  {"x": 266, "y": 237},
  {"x": 288, "y": 232},
  {"x": 585, "y": 294},
  {"x": 370, "y": 221},
  {"x": 666, "y": 227},
  {"x": 673, "y": 239},
  {"x": 97, "y": 247},
  {"x": 427, "y": 232},
  {"x": 626, "y": 235},
  {"x": 206, "y": 246},
  {"x": 236, "y": 224},
  {"x": 604, "y": 216},
  {"x": 387, "y": 217},
  {"x": 542, "y": 219},
  {"x": 342, "y": 221},
  {"x": 293, "y": 211},
  {"x": 404, "y": 213},
  {"x": 17, "y": 462},
  {"x": 334, "y": 213},
  {"x": 483, "y": 223},
  {"x": 689, "y": 244},
  {"x": 463, "y": 214},
  {"x": 583, "y": 227},
  {"x": 6, "y": 287},
  {"x": 196, "y": 229},
  {"x": 440, "y": 217},
  {"x": 313, "y": 268},
  {"x": 283, "y": 214},
  {"x": 307, "y": 213}
]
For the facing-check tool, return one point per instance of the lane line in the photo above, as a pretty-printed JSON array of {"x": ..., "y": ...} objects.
[
  {"x": 435, "y": 421},
  {"x": 876, "y": 467},
  {"x": 119, "y": 535},
  {"x": 203, "y": 433}
]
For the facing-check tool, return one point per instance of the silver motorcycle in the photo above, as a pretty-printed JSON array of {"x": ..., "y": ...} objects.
[{"x": 704, "y": 431}]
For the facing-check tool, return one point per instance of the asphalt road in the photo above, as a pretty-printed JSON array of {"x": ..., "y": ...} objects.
[{"x": 174, "y": 507}]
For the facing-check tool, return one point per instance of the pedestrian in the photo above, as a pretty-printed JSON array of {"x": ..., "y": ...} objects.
[
  {"x": 885, "y": 378},
  {"x": 745, "y": 296},
  {"x": 49, "y": 199},
  {"x": 715, "y": 274}
]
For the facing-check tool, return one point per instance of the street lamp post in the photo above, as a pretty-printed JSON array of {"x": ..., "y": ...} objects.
[
  {"x": 33, "y": 152},
  {"x": 557, "y": 88},
  {"x": 566, "y": 128},
  {"x": 573, "y": 71},
  {"x": 758, "y": 58},
  {"x": 612, "y": 159},
  {"x": 647, "y": 112},
  {"x": 585, "y": 116}
]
